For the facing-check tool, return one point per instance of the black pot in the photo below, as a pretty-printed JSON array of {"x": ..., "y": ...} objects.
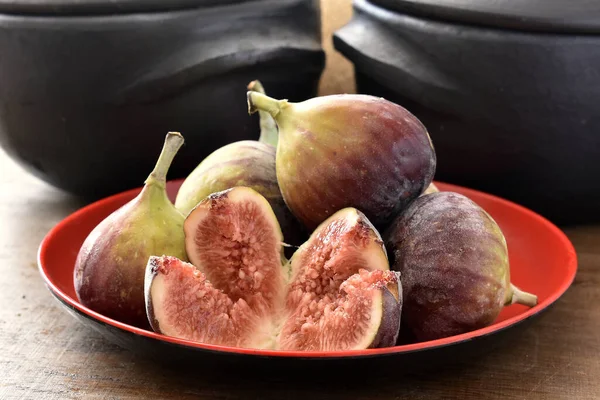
[
  {"x": 509, "y": 94},
  {"x": 90, "y": 88}
]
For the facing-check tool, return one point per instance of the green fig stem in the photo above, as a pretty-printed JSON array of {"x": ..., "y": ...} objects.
[
  {"x": 268, "y": 127},
  {"x": 173, "y": 142},
  {"x": 521, "y": 297},
  {"x": 258, "y": 101}
]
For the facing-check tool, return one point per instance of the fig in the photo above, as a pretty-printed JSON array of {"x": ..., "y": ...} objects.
[
  {"x": 454, "y": 263},
  {"x": 247, "y": 163},
  {"x": 348, "y": 151},
  {"x": 342, "y": 295},
  {"x": 236, "y": 284},
  {"x": 336, "y": 293},
  {"x": 182, "y": 303},
  {"x": 234, "y": 238},
  {"x": 110, "y": 267}
]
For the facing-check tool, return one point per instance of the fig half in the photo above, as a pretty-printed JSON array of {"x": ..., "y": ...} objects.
[
  {"x": 342, "y": 295},
  {"x": 236, "y": 283},
  {"x": 336, "y": 293}
]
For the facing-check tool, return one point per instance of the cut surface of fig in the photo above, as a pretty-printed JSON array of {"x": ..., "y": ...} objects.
[
  {"x": 336, "y": 293},
  {"x": 180, "y": 302},
  {"x": 233, "y": 237},
  {"x": 364, "y": 312},
  {"x": 337, "y": 249},
  {"x": 333, "y": 301}
]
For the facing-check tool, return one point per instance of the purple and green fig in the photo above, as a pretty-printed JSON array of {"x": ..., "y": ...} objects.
[
  {"x": 454, "y": 263},
  {"x": 348, "y": 151},
  {"x": 110, "y": 267},
  {"x": 247, "y": 163}
]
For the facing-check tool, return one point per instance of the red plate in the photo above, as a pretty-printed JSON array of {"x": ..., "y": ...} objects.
[{"x": 542, "y": 259}]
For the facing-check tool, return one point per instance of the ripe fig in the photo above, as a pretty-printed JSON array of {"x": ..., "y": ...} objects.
[
  {"x": 248, "y": 163},
  {"x": 348, "y": 151},
  {"x": 341, "y": 296},
  {"x": 234, "y": 238},
  {"x": 109, "y": 270},
  {"x": 181, "y": 302},
  {"x": 454, "y": 263},
  {"x": 236, "y": 288}
]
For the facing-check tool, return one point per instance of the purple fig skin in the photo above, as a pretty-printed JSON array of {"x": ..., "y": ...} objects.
[
  {"x": 454, "y": 264},
  {"x": 150, "y": 273},
  {"x": 388, "y": 332},
  {"x": 348, "y": 151}
]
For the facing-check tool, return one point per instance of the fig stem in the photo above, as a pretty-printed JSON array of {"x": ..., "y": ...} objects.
[
  {"x": 268, "y": 127},
  {"x": 173, "y": 141},
  {"x": 258, "y": 101},
  {"x": 521, "y": 297}
]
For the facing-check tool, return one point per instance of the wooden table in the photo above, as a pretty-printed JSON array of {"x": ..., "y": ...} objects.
[{"x": 46, "y": 354}]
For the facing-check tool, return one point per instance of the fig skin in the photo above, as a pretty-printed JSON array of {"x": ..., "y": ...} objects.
[
  {"x": 348, "y": 151},
  {"x": 454, "y": 263},
  {"x": 247, "y": 163},
  {"x": 389, "y": 329},
  {"x": 110, "y": 267}
]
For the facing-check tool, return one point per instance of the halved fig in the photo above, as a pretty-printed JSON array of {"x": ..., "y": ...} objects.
[
  {"x": 181, "y": 302},
  {"x": 363, "y": 313},
  {"x": 342, "y": 295},
  {"x": 234, "y": 238}
]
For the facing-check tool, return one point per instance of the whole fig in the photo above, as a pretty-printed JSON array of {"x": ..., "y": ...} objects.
[
  {"x": 348, "y": 151},
  {"x": 454, "y": 263},
  {"x": 110, "y": 267}
]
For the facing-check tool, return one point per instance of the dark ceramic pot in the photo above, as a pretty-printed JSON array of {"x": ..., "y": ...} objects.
[
  {"x": 90, "y": 88},
  {"x": 509, "y": 94}
]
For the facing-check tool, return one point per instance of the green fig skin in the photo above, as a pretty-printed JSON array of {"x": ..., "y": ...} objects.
[
  {"x": 454, "y": 264},
  {"x": 110, "y": 267},
  {"x": 348, "y": 151}
]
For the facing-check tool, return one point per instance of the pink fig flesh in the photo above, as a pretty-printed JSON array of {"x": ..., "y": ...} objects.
[
  {"x": 336, "y": 300},
  {"x": 342, "y": 295}
]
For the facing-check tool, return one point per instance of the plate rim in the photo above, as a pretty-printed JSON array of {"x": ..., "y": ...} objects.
[{"x": 571, "y": 265}]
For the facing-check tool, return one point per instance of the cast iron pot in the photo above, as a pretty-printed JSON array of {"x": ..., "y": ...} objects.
[
  {"x": 88, "y": 89},
  {"x": 510, "y": 94}
]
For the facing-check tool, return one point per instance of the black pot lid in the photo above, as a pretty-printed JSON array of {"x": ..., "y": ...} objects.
[
  {"x": 101, "y": 7},
  {"x": 560, "y": 16}
]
